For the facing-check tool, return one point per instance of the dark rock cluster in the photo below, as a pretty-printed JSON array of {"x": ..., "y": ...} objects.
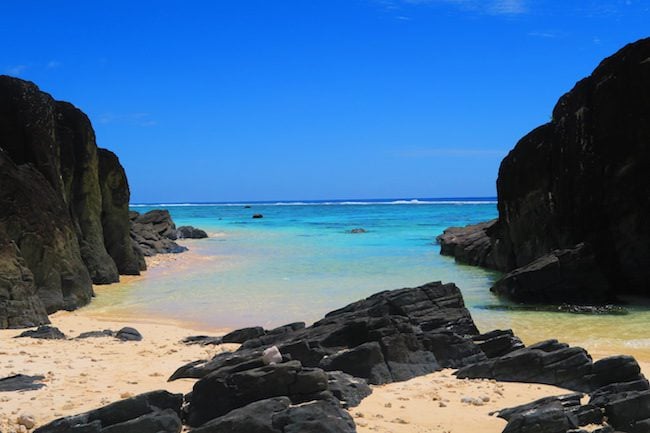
[
  {"x": 154, "y": 233},
  {"x": 573, "y": 195},
  {"x": 153, "y": 412},
  {"x": 303, "y": 379},
  {"x": 64, "y": 210},
  {"x": 62, "y": 207}
]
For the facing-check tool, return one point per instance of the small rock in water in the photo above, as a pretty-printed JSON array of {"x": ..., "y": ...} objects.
[
  {"x": 257, "y": 216},
  {"x": 271, "y": 355},
  {"x": 359, "y": 230},
  {"x": 128, "y": 334}
]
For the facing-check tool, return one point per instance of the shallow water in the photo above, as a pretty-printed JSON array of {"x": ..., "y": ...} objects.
[{"x": 300, "y": 261}]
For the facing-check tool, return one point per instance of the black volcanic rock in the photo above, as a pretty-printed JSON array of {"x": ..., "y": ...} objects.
[
  {"x": 390, "y": 336},
  {"x": 52, "y": 207},
  {"x": 472, "y": 244},
  {"x": 570, "y": 276},
  {"x": 582, "y": 178},
  {"x": 21, "y": 382},
  {"x": 155, "y": 232},
  {"x": 152, "y": 412},
  {"x": 189, "y": 232},
  {"x": 20, "y": 306},
  {"x": 128, "y": 258},
  {"x": 37, "y": 223},
  {"x": 44, "y": 332},
  {"x": 554, "y": 363},
  {"x": 215, "y": 395},
  {"x": 79, "y": 170}
]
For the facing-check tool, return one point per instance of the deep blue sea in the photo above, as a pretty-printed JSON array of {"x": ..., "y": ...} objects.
[{"x": 301, "y": 260}]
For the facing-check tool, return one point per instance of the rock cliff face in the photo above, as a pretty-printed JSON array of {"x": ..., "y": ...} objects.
[
  {"x": 583, "y": 179},
  {"x": 55, "y": 208}
]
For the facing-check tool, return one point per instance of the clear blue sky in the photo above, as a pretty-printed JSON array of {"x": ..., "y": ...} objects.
[{"x": 231, "y": 100}]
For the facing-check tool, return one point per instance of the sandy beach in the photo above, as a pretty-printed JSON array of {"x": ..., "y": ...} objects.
[{"x": 85, "y": 374}]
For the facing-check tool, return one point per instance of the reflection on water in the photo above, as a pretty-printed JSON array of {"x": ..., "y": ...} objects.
[{"x": 300, "y": 262}]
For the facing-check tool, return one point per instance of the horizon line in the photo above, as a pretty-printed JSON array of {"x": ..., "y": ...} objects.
[{"x": 401, "y": 200}]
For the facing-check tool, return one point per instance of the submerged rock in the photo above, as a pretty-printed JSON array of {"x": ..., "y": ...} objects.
[
  {"x": 257, "y": 216},
  {"x": 358, "y": 230}
]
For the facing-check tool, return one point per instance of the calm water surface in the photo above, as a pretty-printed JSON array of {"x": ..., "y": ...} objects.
[{"x": 300, "y": 261}]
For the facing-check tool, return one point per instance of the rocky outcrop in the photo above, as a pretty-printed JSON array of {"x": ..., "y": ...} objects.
[
  {"x": 390, "y": 336},
  {"x": 297, "y": 378},
  {"x": 154, "y": 233},
  {"x": 41, "y": 233},
  {"x": 79, "y": 170},
  {"x": 579, "y": 179},
  {"x": 471, "y": 245},
  {"x": 189, "y": 232},
  {"x": 116, "y": 224},
  {"x": 570, "y": 275},
  {"x": 54, "y": 216},
  {"x": 153, "y": 412}
]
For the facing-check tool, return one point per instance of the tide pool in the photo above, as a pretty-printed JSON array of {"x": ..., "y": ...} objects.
[{"x": 301, "y": 261}]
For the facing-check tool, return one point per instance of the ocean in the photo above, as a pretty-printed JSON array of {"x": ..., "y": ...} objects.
[{"x": 302, "y": 260}]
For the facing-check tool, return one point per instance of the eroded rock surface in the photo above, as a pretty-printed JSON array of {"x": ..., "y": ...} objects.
[{"x": 579, "y": 179}]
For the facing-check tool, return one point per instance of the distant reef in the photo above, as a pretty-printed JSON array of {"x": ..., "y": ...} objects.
[
  {"x": 64, "y": 216},
  {"x": 574, "y": 195}
]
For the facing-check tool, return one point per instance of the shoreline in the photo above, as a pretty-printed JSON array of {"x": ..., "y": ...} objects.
[{"x": 81, "y": 375}]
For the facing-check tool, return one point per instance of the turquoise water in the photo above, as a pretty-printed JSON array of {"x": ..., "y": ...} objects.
[{"x": 301, "y": 261}]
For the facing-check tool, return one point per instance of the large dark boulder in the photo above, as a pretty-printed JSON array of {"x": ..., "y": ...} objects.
[
  {"x": 189, "y": 232},
  {"x": 36, "y": 221},
  {"x": 554, "y": 363},
  {"x": 78, "y": 164},
  {"x": 390, "y": 336},
  {"x": 52, "y": 231},
  {"x": 217, "y": 394},
  {"x": 581, "y": 178},
  {"x": 275, "y": 415},
  {"x": 472, "y": 244},
  {"x": 155, "y": 232},
  {"x": 570, "y": 276},
  {"x": 152, "y": 412},
  {"x": 20, "y": 306}
]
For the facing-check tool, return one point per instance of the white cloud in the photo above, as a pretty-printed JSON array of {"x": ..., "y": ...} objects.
[{"x": 53, "y": 64}]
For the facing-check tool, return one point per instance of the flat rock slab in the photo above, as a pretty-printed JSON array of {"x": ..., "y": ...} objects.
[
  {"x": 44, "y": 332},
  {"x": 21, "y": 382}
]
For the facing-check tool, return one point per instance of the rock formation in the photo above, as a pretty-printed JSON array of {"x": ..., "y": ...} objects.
[
  {"x": 319, "y": 372},
  {"x": 63, "y": 224},
  {"x": 578, "y": 187},
  {"x": 154, "y": 233}
]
